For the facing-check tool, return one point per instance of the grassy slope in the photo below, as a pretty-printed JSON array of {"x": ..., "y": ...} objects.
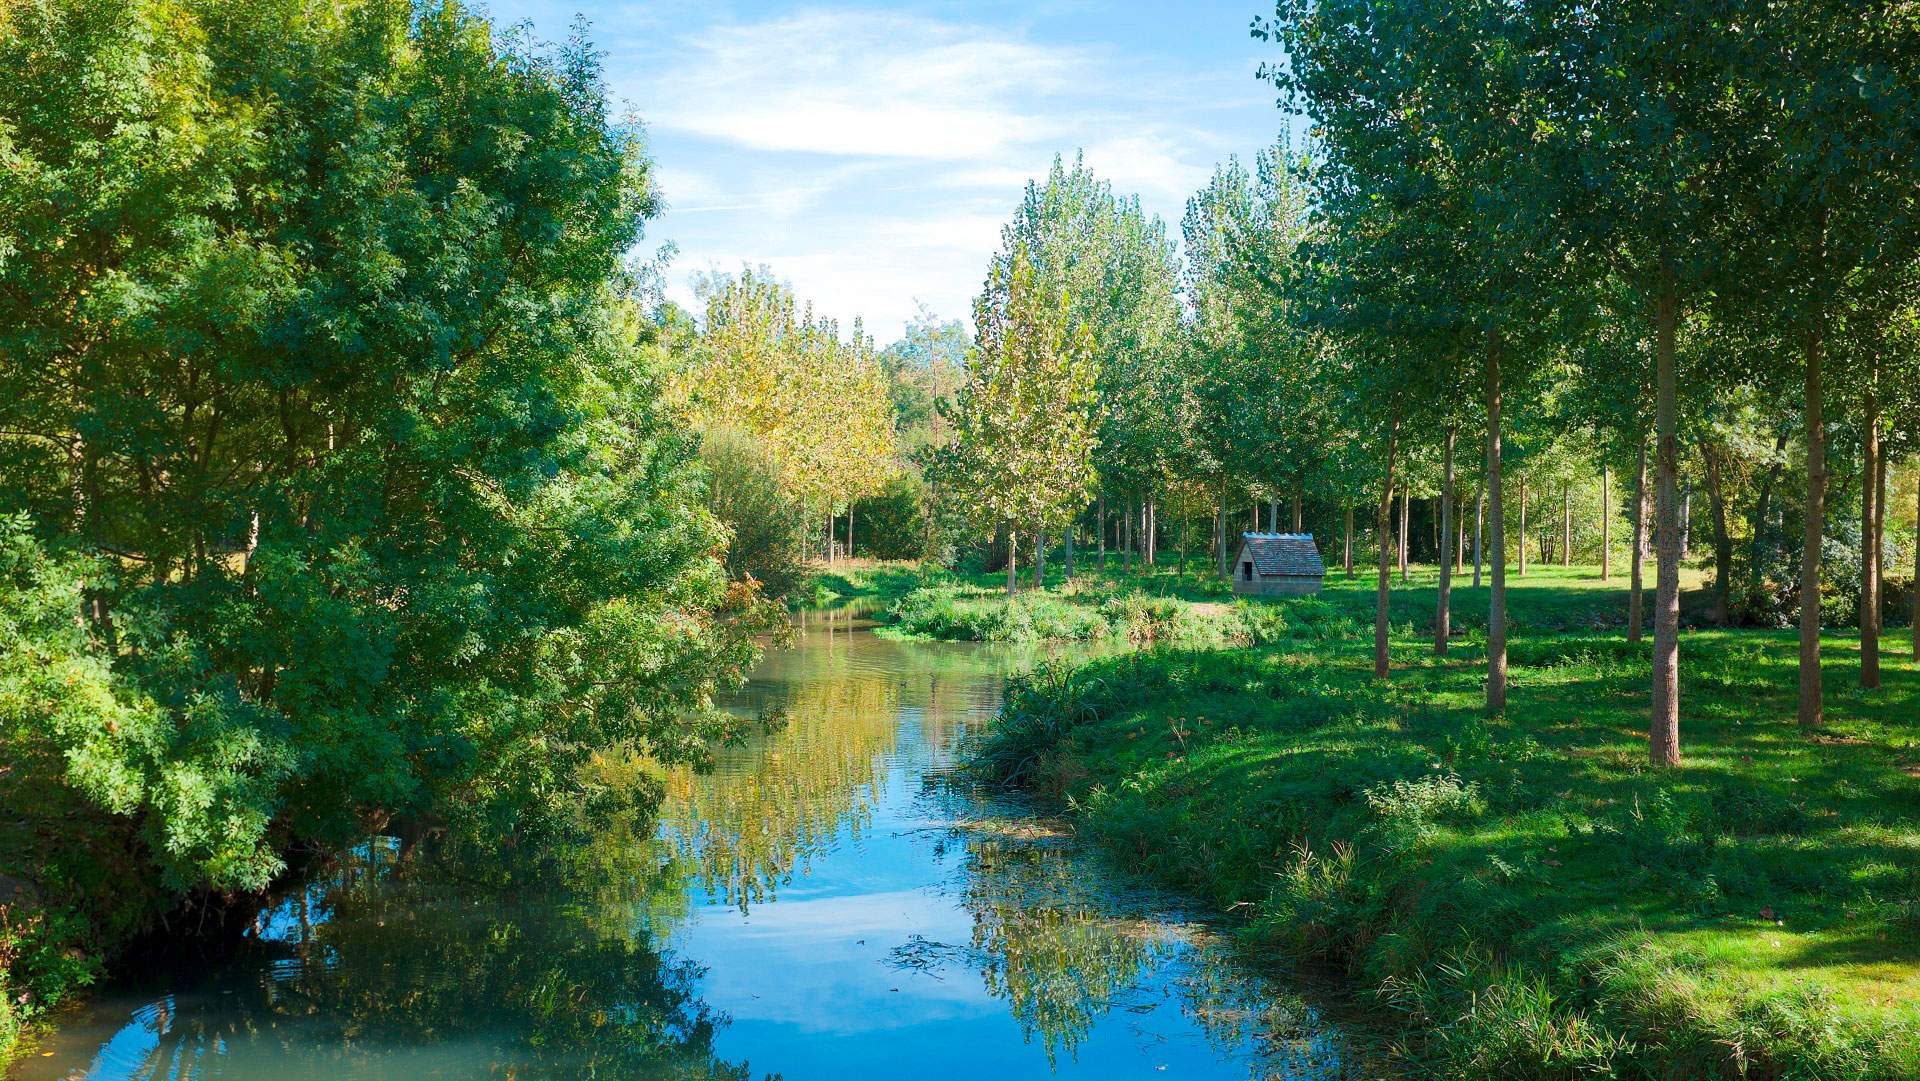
[{"x": 1529, "y": 897}]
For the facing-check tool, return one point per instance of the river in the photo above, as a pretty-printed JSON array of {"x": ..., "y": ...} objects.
[{"x": 831, "y": 902}]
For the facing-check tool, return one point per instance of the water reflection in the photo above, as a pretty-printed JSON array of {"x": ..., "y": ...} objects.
[
  {"x": 827, "y": 903},
  {"x": 423, "y": 963}
]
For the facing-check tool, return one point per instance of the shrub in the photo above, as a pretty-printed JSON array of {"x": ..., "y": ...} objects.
[{"x": 745, "y": 491}]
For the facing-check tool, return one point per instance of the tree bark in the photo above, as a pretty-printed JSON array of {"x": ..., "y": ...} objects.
[
  {"x": 1566, "y": 524},
  {"x": 1349, "y": 543},
  {"x": 1152, "y": 523},
  {"x": 1523, "y": 528},
  {"x": 1880, "y": 542},
  {"x": 1039, "y": 558},
  {"x": 849, "y": 529},
  {"x": 1636, "y": 593},
  {"x": 1385, "y": 523},
  {"x": 1296, "y": 510},
  {"x": 1663, "y": 731},
  {"x": 1496, "y": 539},
  {"x": 1479, "y": 518},
  {"x": 1871, "y": 466},
  {"x": 1220, "y": 565},
  {"x": 1443, "y": 613},
  {"x": 1712, "y": 455},
  {"x": 1406, "y": 513},
  {"x": 1816, "y": 437},
  {"x": 1072, "y": 528},
  {"x": 1100, "y": 518},
  {"x": 1013, "y": 559},
  {"x": 1606, "y": 524},
  {"x": 1459, "y": 532},
  {"x": 1126, "y": 538}
]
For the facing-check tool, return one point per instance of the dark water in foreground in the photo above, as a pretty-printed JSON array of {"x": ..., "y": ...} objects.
[{"x": 830, "y": 904}]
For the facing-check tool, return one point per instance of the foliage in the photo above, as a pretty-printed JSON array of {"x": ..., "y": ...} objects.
[
  {"x": 1026, "y": 433},
  {"x": 746, "y": 493},
  {"x": 818, "y": 403},
  {"x": 326, "y": 392}
]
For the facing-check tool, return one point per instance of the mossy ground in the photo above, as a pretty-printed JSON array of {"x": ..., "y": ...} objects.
[{"x": 1524, "y": 893}]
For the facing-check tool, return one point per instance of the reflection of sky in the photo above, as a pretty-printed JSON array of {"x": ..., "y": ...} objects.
[
  {"x": 808, "y": 985},
  {"x": 809, "y": 980}
]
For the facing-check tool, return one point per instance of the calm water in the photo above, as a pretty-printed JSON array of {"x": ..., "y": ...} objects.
[{"x": 829, "y": 903}]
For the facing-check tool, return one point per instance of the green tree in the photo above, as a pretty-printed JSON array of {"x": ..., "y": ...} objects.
[
  {"x": 318, "y": 357},
  {"x": 1025, "y": 419}
]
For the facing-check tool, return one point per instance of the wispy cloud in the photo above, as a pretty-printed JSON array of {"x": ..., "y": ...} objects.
[
  {"x": 871, "y": 156},
  {"x": 856, "y": 83}
]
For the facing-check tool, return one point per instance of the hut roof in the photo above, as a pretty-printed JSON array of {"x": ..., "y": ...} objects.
[{"x": 1285, "y": 553}]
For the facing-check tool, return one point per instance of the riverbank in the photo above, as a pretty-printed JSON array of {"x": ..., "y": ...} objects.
[
  {"x": 1163, "y": 606},
  {"x": 1524, "y": 896}
]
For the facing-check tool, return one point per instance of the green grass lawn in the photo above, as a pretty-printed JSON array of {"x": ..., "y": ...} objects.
[{"x": 1524, "y": 895}]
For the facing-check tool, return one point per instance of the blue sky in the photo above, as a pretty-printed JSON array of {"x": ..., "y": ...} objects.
[{"x": 870, "y": 153}]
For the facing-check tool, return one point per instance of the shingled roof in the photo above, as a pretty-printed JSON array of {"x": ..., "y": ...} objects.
[{"x": 1285, "y": 553}]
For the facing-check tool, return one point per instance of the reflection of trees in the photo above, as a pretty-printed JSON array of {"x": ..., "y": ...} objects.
[
  {"x": 487, "y": 966},
  {"x": 769, "y": 806},
  {"x": 1058, "y": 961},
  {"x": 1047, "y": 939},
  {"x": 849, "y": 699}
]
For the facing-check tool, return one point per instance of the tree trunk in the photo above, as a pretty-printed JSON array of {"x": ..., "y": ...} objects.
[
  {"x": 830, "y": 532},
  {"x": 1880, "y": 540},
  {"x": 1636, "y": 596},
  {"x": 849, "y": 529},
  {"x": 1566, "y": 525},
  {"x": 1152, "y": 530},
  {"x": 1221, "y": 553},
  {"x": 1296, "y": 510},
  {"x": 1663, "y": 731},
  {"x": 1406, "y": 504},
  {"x": 1871, "y": 465},
  {"x": 1013, "y": 559},
  {"x": 1606, "y": 524},
  {"x": 1479, "y": 517},
  {"x": 1443, "y": 613},
  {"x": 1100, "y": 518},
  {"x": 1385, "y": 524},
  {"x": 1710, "y": 456},
  {"x": 1758, "y": 547},
  {"x": 1816, "y": 437},
  {"x": 1496, "y": 539},
  {"x": 1039, "y": 558},
  {"x": 1349, "y": 543},
  {"x": 1459, "y": 533},
  {"x": 1072, "y": 528},
  {"x": 1523, "y": 529},
  {"x": 1126, "y": 538}
]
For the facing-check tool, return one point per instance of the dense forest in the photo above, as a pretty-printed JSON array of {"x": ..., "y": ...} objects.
[{"x": 355, "y": 473}]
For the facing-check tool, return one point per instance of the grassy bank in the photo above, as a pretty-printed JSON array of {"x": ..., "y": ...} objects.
[{"x": 1524, "y": 894}]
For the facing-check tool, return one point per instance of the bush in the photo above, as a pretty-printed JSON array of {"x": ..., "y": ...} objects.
[
  {"x": 893, "y": 524},
  {"x": 745, "y": 491}
]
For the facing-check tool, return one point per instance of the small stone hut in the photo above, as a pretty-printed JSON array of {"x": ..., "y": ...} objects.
[{"x": 1277, "y": 564}]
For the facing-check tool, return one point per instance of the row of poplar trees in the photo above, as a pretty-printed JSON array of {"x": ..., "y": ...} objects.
[
  {"x": 1511, "y": 196},
  {"x": 1613, "y": 223}
]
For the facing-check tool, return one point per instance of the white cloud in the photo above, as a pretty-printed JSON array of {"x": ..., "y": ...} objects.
[
  {"x": 838, "y": 82},
  {"x": 871, "y": 157}
]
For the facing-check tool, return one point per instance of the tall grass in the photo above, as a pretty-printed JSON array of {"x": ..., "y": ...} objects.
[{"x": 1522, "y": 894}]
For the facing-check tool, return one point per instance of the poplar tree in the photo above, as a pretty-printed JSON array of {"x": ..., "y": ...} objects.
[{"x": 1025, "y": 417}]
